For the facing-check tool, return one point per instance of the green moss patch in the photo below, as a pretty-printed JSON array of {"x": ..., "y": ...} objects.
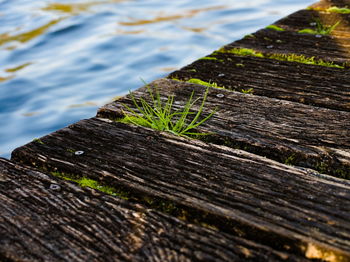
[
  {"x": 282, "y": 57},
  {"x": 332, "y": 9},
  {"x": 87, "y": 182},
  {"x": 241, "y": 52},
  {"x": 339, "y": 10},
  {"x": 275, "y": 27},
  {"x": 208, "y": 58},
  {"x": 203, "y": 83},
  {"x": 38, "y": 140}
]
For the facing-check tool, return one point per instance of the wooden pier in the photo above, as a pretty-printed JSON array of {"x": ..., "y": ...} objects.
[{"x": 269, "y": 182}]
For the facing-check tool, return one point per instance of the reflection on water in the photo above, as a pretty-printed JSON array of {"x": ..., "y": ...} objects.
[
  {"x": 29, "y": 114},
  {"x": 69, "y": 8},
  {"x": 27, "y": 36},
  {"x": 86, "y": 104},
  {"x": 60, "y": 60},
  {"x": 17, "y": 68},
  {"x": 75, "y": 8},
  {"x": 3, "y": 79},
  {"x": 194, "y": 29},
  {"x": 127, "y": 32},
  {"x": 163, "y": 18}
]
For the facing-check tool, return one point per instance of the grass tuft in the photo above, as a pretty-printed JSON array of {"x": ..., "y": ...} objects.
[
  {"x": 161, "y": 116},
  {"x": 320, "y": 28},
  {"x": 249, "y": 91}
]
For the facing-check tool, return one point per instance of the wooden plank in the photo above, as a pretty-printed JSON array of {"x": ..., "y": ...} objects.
[
  {"x": 287, "y": 208},
  {"x": 302, "y": 19},
  {"x": 333, "y": 47},
  {"x": 46, "y": 219},
  {"x": 285, "y": 131},
  {"x": 307, "y": 84},
  {"x": 327, "y": 48}
]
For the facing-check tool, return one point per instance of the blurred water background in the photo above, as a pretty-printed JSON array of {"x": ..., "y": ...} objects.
[{"x": 61, "y": 60}]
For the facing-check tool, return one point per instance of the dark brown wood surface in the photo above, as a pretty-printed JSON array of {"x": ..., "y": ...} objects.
[
  {"x": 308, "y": 84},
  {"x": 332, "y": 47},
  {"x": 282, "y": 130},
  {"x": 281, "y": 206},
  {"x": 43, "y": 218}
]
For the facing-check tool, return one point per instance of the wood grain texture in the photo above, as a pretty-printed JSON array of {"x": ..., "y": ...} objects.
[
  {"x": 46, "y": 219},
  {"x": 307, "y": 84},
  {"x": 302, "y": 19},
  {"x": 287, "y": 208},
  {"x": 333, "y": 47},
  {"x": 309, "y": 136}
]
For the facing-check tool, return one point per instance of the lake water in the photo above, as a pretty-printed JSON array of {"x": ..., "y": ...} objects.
[{"x": 60, "y": 61}]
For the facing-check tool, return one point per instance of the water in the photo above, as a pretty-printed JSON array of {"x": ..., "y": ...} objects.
[{"x": 60, "y": 61}]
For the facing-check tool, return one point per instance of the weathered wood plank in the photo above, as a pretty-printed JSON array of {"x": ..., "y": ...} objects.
[
  {"x": 46, "y": 219},
  {"x": 333, "y": 47},
  {"x": 327, "y": 48},
  {"x": 302, "y": 19},
  {"x": 307, "y": 84},
  {"x": 284, "y": 207},
  {"x": 285, "y": 131}
]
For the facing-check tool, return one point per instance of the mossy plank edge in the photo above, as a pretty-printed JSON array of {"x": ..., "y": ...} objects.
[
  {"x": 245, "y": 194},
  {"x": 317, "y": 138},
  {"x": 311, "y": 84},
  {"x": 303, "y": 18},
  {"x": 333, "y": 47},
  {"x": 47, "y": 219}
]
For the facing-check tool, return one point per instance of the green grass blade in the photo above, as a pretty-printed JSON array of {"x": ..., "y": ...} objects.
[
  {"x": 200, "y": 122},
  {"x": 179, "y": 125},
  {"x": 200, "y": 108}
]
